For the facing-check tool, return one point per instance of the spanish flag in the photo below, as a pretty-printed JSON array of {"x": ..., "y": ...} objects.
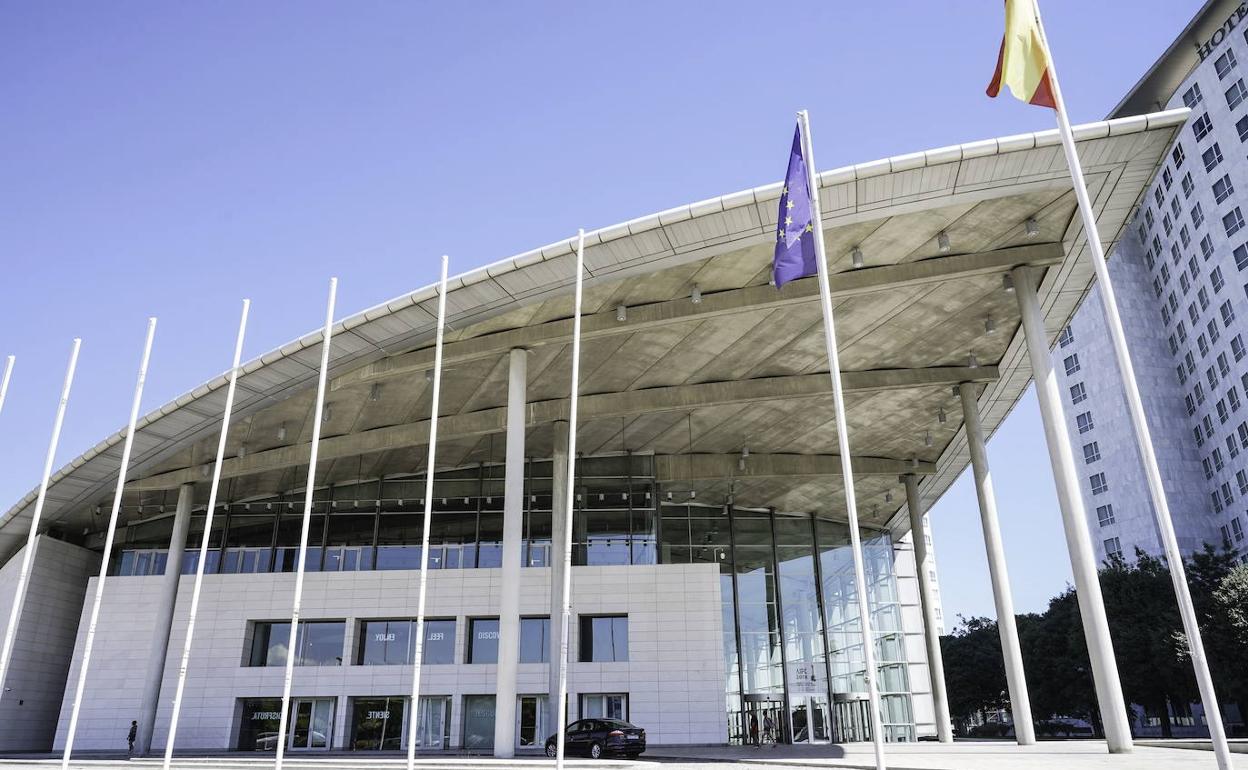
[{"x": 1024, "y": 64}]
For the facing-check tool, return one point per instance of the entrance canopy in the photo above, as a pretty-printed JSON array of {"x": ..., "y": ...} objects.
[{"x": 690, "y": 354}]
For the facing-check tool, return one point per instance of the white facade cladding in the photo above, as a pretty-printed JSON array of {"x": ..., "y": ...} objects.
[
  {"x": 44, "y": 641},
  {"x": 1181, "y": 276},
  {"x": 672, "y": 677}
]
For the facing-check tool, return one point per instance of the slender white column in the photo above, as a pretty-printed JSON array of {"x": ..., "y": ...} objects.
[
  {"x": 198, "y": 582},
  {"x": 164, "y": 619},
  {"x": 1007, "y": 627},
  {"x": 32, "y": 537},
  {"x": 558, "y": 548},
  {"x": 4, "y": 381},
  {"x": 431, "y": 465},
  {"x": 513, "y": 526},
  {"x": 931, "y": 627},
  {"x": 1074, "y": 519},
  {"x": 292, "y": 647},
  {"x": 106, "y": 557}
]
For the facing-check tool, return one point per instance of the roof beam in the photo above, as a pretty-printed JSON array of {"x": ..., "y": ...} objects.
[
  {"x": 713, "y": 305},
  {"x": 712, "y": 467},
  {"x": 675, "y": 398}
]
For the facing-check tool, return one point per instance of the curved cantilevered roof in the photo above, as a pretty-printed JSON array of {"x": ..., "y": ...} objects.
[{"x": 745, "y": 359}]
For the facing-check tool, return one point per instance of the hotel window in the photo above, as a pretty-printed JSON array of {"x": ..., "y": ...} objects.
[
  {"x": 1165, "y": 273},
  {"x": 1201, "y": 127},
  {"x": 1157, "y": 288},
  {"x": 1233, "y": 221},
  {"x": 1193, "y": 313},
  {"x": 1232, "y": 447},
  {"x": 1203, "y": 296},
  {"x": 1167, "y": 178},
  {"x": 1208, "y": 464},
  {"x": 1223, "y": 189},
  {"x": 1237, "y": 530},
  {"x": 1165, "y": 315},
  {"x": 534, "y": 640},
  {"x": 1185, "y": 283},
  {"x": 1159, "y": 195},
  {"x": 1241, "y": 256},
  {"x": 1208, "y": 423},
  {"x": 1113, "y": 548},
  {"x": 1065, "y": 337},
  {"x": 1242, "y": 430},
  {"x": 1216, "y": 280},
  {"x": 1175, "y": 208},
  {"x": 1182, "y": 331},
  {"x": 1078, "y": 393},
  {"x": 1232, "y": 398},
  {"x": 1192, "y": 96},
  {"x": 1198, "y": 217},
  {"x": 1242, "y": 479},
  {"x": 1105, "y": 514},
  {"x": 1203, "y": 344},
  {"x": 1193, "y": 268},
  {"x": 1167, "y": 224},
  {"x": 1227, "y": 497},
  {"x": 1237, "y": 347},
  {"x": 1224, "y": 366},
  {"x": 1213, "y": 379},
  {"x": 1212, "y": 326},
  {"x": 1224, "y": 414},
  {"x": 603, "y": 639},
  {"x": 1236, "y": 93},
  {"x": 318, "y": 642},
  {"x": 1218, "y": 462},
  {"x": 389, "y": 642},
  {"x": 1174, "y": 345},
  {"x": 1228, "y": 313},
  {"x": 1091, "y": 453},
  {"x": 1190, "y": 362},
  {"x": 1225, "y": 63},
  {"x": 1177, "y": 156},
  {"x": 1212, "y": 157},
  {"x": 1157, "y": 245},
  {"x": 1216, "y": 500},
  {"x": 1071, "y": 363},
  {"x": 1199, "y": 390},
  {"x": 1182, "y": 374},
  {"x": 1148, "y": 258},
  {"x": 1084, "y": 421},
  {"x": 1191, "y": 404},
  {"x": 1187, "y": 185},
  {"x": 1099, "y": 485},
  {"x": 1206, "y": 247},
  {"x": 482, "y": 640},
  {"x": 1241, "y": 126},
  {"x": 1185, "y": 236},
  {"x": 1199, "y": 436}
]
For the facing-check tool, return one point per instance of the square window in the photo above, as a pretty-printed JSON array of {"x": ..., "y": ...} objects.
[
  {"x": 1099, "y": 485},
  {"x": 1198, "y": 216},
  {"x": 603, "y": 638},
  {"x": 1233, "y": 221},
  {"x": 1167, "y": 178},
  {"x": 1241, "y": 126},
  {"x": 1091, "y": 453},
  {"x": 1241, "y": 256},
  {"x": 1071, "y": 363},
  {"x": 1113, "y": 548},
  {"x": 1084, "y": 422},
  {"x": 1105, "y": 514},
  {"x": 1237, "y": 347},
  {"x": 1206, "y": 247},
  {"x": 1065, "y": 337},
  {"x": 1232, "y": 398},
  {"x": 1236, "y": 93},
  {"x": 1177, "y": 156},
  {"x": 1212, "y": 328},
  {"x": 1202, "y": 126},
  {"x": 1242, "y": 479},
  {"x": 1211, "y": 157},
  {"x": 1223, "y": 189},
  {"x": 1187, "y": 184},
  {"x": 1078, "y": 394},
  {"x": 1225, "y": 63},
  {"x": 1228, "y": 313},
  {"x": 1192, "y": 96},
  {"x": 482, "y": 640},
  {"x": 1216, "y": 280}
]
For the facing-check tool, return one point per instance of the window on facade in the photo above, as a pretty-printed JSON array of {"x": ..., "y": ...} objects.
[
  {"x": 1177, "y": 156},
  {"x": 1159, "y": 195},
  {"x": 1191, "y": 404},
  {"x": 1227, "y": 497},
  {"x": 1078, "y": 393},
  {"x": 603, "y": 638},
  {"x": 1105, "y": 514},
  {"x": 1206, "y": 247},
  {"x": 1224, "y": 414},
  {"x": 1198, "y": 217},
  {"x": 318, "y": 643},
  {"x": 1232, "y": 447},
  {"x": 1242, "y": 431},
  {"x": 1185, "y": 283},
  {"x": 1199, "y": 390},
  {"x": 1084, "y": 421},
  {"x": 1232, "y": 398},
  {"x": 1099, "y": 485},
  {"x": 1113, "y": 548},
  {"x": 1241, "y": 126},
  {"x": 1167, "y": 178},
  {"x": 1167, "y": 224},
  {"x": 1208, "y": 423},
  {"x": 1193, "y": 313},
  {"x": 1241, "y": 478},
  {"x": 1203, "y": 296},
  {"x": 1225, "y": 63},
  {"x": 1211, "y": 157},
  {"x": 1201, "y": 127},
  {"x": 1237, "y": 347},
  {"x": 390, "y": 642},
  {"x": 1091, "y": 452},
  {"x": 1175, "y": 208},
  {"x": 1233, "y": 221},
  {"x": 1189, "y": 362},
  {"x": 1208, "y": 465},
  {"x": 1216, "y": 280},
  {"x": 1218, "y": 461},
  {"x": 1192, "y": 96},
  {"x": 1187, "y": 185},
  {"x": 1236, "y": 93},
  {"x": 1237, "y": 530},
  {"x": 1065, "y": 337},
  {"x": 1071, "y": 363},
  {"x": 534, "y": 640},
  {"x": 1199, "y": 436},
  {"x": 1165, "y": 273},
  {"x": 1185, "y": 237},
  {"x": 1193, "y": 268},
  {"x": 482, "y": 640},
  {"x": 1224, "y": 366},
  {"x": 1212, "y": 328},
  {"x": 1228, "y": 313},
  {"x": 1223, "y": 188},
  {"x": 1182, "y": 375}
]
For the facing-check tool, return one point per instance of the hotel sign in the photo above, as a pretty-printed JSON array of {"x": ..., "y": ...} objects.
[{"x": 1220, "y": 34}]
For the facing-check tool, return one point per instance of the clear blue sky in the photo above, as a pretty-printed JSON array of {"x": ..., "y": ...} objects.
[{"x": 170, "y": 158}]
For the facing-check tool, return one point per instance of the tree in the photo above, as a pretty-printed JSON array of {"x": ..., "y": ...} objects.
[{"x": 974, "y": 671}]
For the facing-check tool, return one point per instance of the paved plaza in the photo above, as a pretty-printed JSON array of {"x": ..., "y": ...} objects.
[{"x": 1067, "y": 755}]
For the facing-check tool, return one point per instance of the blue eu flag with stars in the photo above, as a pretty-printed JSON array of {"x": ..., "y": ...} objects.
[{"x": 795, "y": 230}]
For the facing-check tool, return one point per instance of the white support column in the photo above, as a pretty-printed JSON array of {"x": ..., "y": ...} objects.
[
  {"x": 931, "y": 627},
  {"x": 509, "y": 601},
  {"x": 164, "y": 619},
  {"x": 558, "y": 523},
  {"x": 1007, "y": 627},
  {"x": 1074, "y": 519}
]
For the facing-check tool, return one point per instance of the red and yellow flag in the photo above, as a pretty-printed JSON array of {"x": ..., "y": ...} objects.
[{"x": 1023, "y": 65}]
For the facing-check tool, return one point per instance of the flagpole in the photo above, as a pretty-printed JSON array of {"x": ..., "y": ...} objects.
[
  {"x": 414, "y": 716},
  {"x": 561, "y": 708},
  {"x": 204, "y": 540},
  {"x": 108, "y": 543},
  {"x": 4, "y": 382},
  {"x": 19, "y": 595},
  {"x": 842, "y": 436},
  {"x": 291, "y": 650},
  {"x": 1143, "y": 437}
]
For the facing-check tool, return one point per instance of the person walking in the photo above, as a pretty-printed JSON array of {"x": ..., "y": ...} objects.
[
  {"x": 134, "y": 733},
  {"x": 769, "y": 730},
  {"x": 754, "y": 730}
]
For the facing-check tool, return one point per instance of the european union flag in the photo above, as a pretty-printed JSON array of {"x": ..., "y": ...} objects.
[{"x": 795, "y": 230}]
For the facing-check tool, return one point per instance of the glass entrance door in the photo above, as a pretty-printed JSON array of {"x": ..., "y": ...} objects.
[
  {"x": 811, "y": 719},
  {"x": 531, "y": 722},
  {"x": 433, "y": 729},
  {"x": 313, "y": 723}
]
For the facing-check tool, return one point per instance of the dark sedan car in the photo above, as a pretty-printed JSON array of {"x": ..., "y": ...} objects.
[{"x": 596, "y": 737}]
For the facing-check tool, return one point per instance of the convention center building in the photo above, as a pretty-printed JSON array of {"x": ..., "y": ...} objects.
[{"x": 712, "y": 578}]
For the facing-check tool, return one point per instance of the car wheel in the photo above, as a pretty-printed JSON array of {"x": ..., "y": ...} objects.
[
  {"x": 595, "y": 750},
  {"x": 551, "y": 751}
]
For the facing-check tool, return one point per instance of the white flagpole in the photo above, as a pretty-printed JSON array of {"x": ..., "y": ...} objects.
[
  {"x": 4, "y": 383},
  {"x": 842, "y": 436},
  {"x": 414, "y": 716},
  {"x": 204, "y": 540},
  {"x": 108, "y": 542},
  {"x": 1143, "y": 437},
  {"x": 291, "y": 651},
  {"x": 561, "y": 708},
  {"x": 19, "y": 595}
]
